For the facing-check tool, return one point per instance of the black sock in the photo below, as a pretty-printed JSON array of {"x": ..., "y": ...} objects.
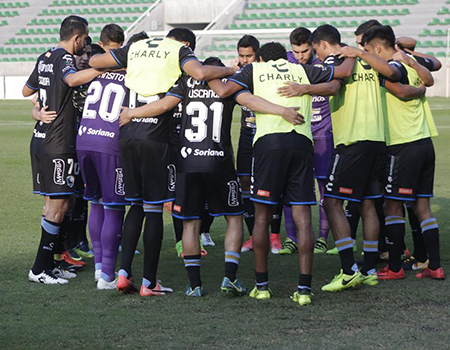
[
  {"x": 275, "y": 224},
  {"x": 395, "y": 230},
  {"x": 79, "y": 218},
  {"x": 232, "y": 260},
  {"x": 382, "y": 245},
  {"x": 192, "y": 264},
  {"x": 44, "y": 257},
  {"x": 430, "y": 231},
  {"x": 207, "y": 220},
  {"x": 262, "y": 280},
  {"x": 178, "y": 228},
  {"x": 304, "y": 283},
  {"x": 62, "y": 237},
  {"x": 370, "y": 249},
  {"x": 249, "y": 214},
  {"x": 153, "y": 235},
  {"x": 347, "y": 260},
  {"x": 353, "y": 215},
  {"x": 420, "y": 249},
  {"x": 130, "y": 236}
]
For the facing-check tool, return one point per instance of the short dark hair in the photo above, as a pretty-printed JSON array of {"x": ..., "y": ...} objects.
[
  {"x": 272, "y": 51},
  {"x": 213, "y": 61},
  {"x": 112, "y": 33},
  {"x": 366, "y": 26},
  {"x": 72, "y": 25},
  {"x": 385, "y": 34},
  {"x": 137, "y": 36},
  {"x": 326, "y": 33},
  {"x": 96, "y": 49},
  {"x": 183, "y": 34},
  {"x": 248, "y": 41},
  {"x": 300, "y": 36}
]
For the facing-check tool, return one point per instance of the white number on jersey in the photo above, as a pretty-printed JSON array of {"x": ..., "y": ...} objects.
[
  {"x": 200, "y": 121},
  {"x": 95, "y": 92}
]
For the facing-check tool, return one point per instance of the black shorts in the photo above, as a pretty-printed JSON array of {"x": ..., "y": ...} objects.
[
  {"x": 410, "y": 170},
  {"x": 284, "y": 176},
  {"x": 353, "y": 174},
  {"x": 245, "y": 152},
  {"x": 220, "y": 190},
  {"x": 55, "y": 174},
  {"x": 147, "y": 173}
]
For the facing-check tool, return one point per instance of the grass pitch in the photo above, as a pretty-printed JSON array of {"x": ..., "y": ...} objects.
[{"x": 395, "y": 314}]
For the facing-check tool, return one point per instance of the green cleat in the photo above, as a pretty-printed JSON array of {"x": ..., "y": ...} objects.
[
  {"x": 343, "y": 281},
  {"x": 235, "y": 288},
  {"x": 320, "y": 246},
  {"x": 83, "y": 250},
  {"x": 288, "y": 247},
  {"x": 334, "y": 251},
  {"x": 370, "y": 280},
  {"x": 302, "y": 298},
  {"x": 262, "y": 294},
  {"x": 179, "y": 248},
  {"x": 196, "y": 293}
]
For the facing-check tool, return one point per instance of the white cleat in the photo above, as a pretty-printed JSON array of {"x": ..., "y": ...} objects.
[
  {"x": 102, "y": 284},
  {"x": 97, "y": 274},
  {"x": 63, "y": 273},
  {"x": 207, "y": 240},
  {"x": 46, "y": 277}
]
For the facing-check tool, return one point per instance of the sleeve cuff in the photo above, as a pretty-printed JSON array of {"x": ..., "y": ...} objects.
[
  {"x": 188, "y": 59},
  {"x": 331, "y": 75},
  {"x": 117, "y": 60},
  {"x": 175, "y": 95},
  {"x": 238, "y": 82},
  {"x": 31, "y": 87},
  {"x": 72, "y": 71},
  {"x": 240, "y": 92}
]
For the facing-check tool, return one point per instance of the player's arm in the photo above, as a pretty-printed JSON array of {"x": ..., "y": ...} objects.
[
  {"x": 323, "y": 89},
  {"x": 152, "y": 109},
  {"x": 406, "y": 42},
  {"x": 404, "y": 91},
  {"x": 32, "y": 84},
  {"x": 345, "y": 69},
  {"x": 103, "y": 60},
  {"x": 81, "y": 77},
  {"x": 436, "y": 64},
  {"x": 423, "y": 72},
  {"x": 377, "y": 63},
  {"x": 27, "y": 91},
  {"x": 200, "y": 72},
  {"x": 223, "y": 89},
  {"x": 42, "y": 115},
  {"x": 258, "y": 104}
]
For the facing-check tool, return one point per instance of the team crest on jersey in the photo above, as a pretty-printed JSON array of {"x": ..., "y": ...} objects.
[
  {"x": 119, "y": 186},
  {"x": 58, "y": 171},
  {"x": 233, "y": 193},
  {"x": 172, "y": 177},
  {"x": 70, "y": 180}
]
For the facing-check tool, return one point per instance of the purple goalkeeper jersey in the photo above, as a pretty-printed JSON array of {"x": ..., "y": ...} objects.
[
  {"x": 320, "y": 114},
  {"x": 99, "y": 126}
]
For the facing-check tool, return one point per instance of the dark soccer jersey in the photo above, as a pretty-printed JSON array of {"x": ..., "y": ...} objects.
[
  {"x": 48, "y": 79},
  {"x": 402, "y": 70},
  {"x": 99, "y": 127},
  {"x": 205, "y": 139},
  {"x": 175, "y": 124}
]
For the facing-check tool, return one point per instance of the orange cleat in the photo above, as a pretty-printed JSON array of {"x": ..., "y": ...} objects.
[
  {"x": 159, "y": 290},
  {"x": 126, "y": 285},
  {"x": 68, "y": 259},
  {"x": 434, "y": 274},
  {"x": 391, "y": 275},
  {"x": 248, "y": 245},
  {"x": 203, "y": 251},
  {"x": 275, "y": 243}
]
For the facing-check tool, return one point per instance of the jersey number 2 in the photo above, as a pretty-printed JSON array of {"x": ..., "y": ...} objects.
[{"x": 200, "y": 121}]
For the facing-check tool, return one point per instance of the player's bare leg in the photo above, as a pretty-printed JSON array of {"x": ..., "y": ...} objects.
[{"x": 305, "y": 237}]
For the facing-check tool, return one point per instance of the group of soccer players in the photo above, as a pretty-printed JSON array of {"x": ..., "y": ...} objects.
[{"x": 154, "y": 127}]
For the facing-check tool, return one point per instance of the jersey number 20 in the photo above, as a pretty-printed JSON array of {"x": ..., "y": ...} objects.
[{"x": 95, "y": 92}]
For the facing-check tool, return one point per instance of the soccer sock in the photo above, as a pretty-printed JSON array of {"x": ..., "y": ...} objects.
[
  {"x": 249, "y": 211},
  {"x": 275, "y": 224},
  {"x": 345, "y": 249},
  {"x": 110, "y": 239},
  {"x": 80, "y": 214},
  {"x": 395, "y": 231},
  {"x": 353, "y": 215},
  {"x": 262, "y": 280},
  {"x": 382, "y": 245},
  {"x": 304, "y": 283},
  {"x": 44, "y": 256},
  {"x": 430, "y": 231},
  {"x": 178, "y": 228},
  {"x": 207, "y": 220},
  {"x": 58, "y": 248},
  {"x": 95, "y": 223},
  {"x": 69, "y": 231},
  {"x": 324, "y": 225},
  {"x": 153, "y": 235},
  {"x": 131, "y": 233},
  {"x": 289, "y": 225},
  {"x": 420, "y": 249},
  {"x": 370, "y": 249},
  {"x": 231, "y": 264},
  {"x": 192, "y": 264}
]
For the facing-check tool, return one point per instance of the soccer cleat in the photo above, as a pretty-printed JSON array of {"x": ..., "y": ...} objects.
[
  {"x": 179, "y": 248},
  {"x": 207, "y": 240},
  {"x": 370, "y": 280},
  {"x": 126, "y": 285},
  {"x": 158, "y": 290},
  {"x": 320, "y": 246},
  {"x": 102, "y": 284},
  {"x": 288, "y": 247},
  {"x": 343, "y": 281},
  {"x": 407, "y": 263},
  {"x": 46, "y": 277},
  {"x": 388, "y": 274},
  {"x": 420, "y": 265},
  {"x": 203, "y": 251},
  {"x": 196, "y": 293},
  {"x": 67, "y": 257},
  {"x": 63, "y": 273},
  {"x": 261, "y": 294},
  {"x": 275, "y": 243},
  {"x": 248, "y": 245},
  {"x": 82, "y": 249},
  {"x": 97, "y": 274},
  {"x": 64, "y": 265},
  {"x": 235, "y": 288},
  {"x": 334, "y": 251},
  {"x": 303, "y": 298},
  {"x": 434, "y": 274}
]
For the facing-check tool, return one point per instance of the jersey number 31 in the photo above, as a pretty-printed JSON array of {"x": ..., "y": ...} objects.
[{"x": 200, "y": 121}]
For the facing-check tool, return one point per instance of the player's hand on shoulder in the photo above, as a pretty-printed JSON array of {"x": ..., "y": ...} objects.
[
  {"x": 348, "y": 51},
  {"x": 125, "y": 116},
  {"x": 235, "y": 63},
  {"x": 401, "y": 56},
  {"x": 292, "y": 89},
  {"x": 45, "y": 116},
  {"x": 291, "y": 115},
  {"x": 422, "y": 89}
]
